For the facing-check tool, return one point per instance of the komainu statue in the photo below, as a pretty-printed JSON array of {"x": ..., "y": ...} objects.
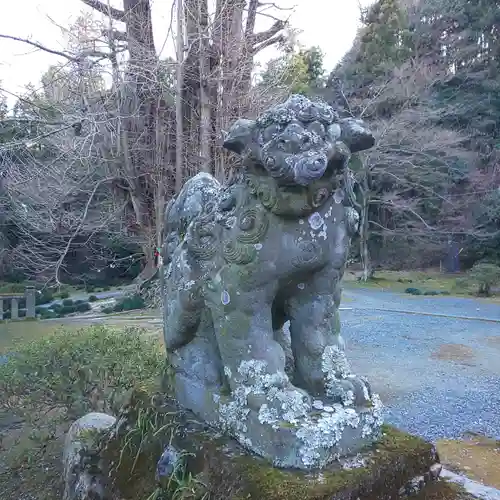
[{"x": 252, "y": 275}]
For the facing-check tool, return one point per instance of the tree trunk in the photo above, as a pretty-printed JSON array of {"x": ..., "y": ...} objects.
[
  {"x": 204, "y": 67},
  {"x": 364, "y": 250},
  {"x": 179, "y": 132}
]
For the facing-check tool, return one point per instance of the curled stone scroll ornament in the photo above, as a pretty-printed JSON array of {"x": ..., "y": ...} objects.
[
  {"x": 238, "y": 253},
  {"x": 254, "y": 223},
  {"x": 202, "y": 240}
]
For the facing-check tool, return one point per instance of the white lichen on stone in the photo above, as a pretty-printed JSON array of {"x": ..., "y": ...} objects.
[
  {"x": 258, "y": 246},
  {"x": 329, "y": 212},
  {"x": 373, "y": 419},
  {"x": 355, "y": 462},
  {"x": 348, "y": 399},
  {"x": 338, "y": 196},
  {"x": 225, "y": 298},
  {"x": 334, "y": 131},
  {"x": 324, "y": 433},
  {"x": 352, "y": 217},
  {"x": 284, "y": 404},
  {"x": 334, "y": 362},
  {"x": 227, "y": 371},
  {"x": 301, "y": 286},
  {"x": 268, "y": 415},
  {"x": 317, "y": 404},
  {"x": 315, "y": 221}
]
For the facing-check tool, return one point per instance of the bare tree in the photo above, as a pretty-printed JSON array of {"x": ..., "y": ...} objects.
[{"x": 143, "y": 135}]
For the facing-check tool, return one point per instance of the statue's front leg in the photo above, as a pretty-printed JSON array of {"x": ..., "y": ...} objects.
[
  {"x": 253, "y": 361},
  {"x": 321, "y": 366}
]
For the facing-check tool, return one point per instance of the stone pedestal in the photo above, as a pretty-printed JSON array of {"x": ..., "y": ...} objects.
[
  {"x": 30, "y": 293},
  {"x": 14, "y": 308},
  {"x": 397, "y": 466}
]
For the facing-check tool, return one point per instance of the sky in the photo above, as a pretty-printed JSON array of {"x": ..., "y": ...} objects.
[{"x": 330, "y": 24}]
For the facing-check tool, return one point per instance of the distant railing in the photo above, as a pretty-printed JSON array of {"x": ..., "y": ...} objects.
[{"x": 29, "y": 295}]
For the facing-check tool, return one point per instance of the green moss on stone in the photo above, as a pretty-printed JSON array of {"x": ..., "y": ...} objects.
[
  {"x": 395, "y": 459},
  {"x": 443, "y": 490},
  {"x": 230, "y": 472}
]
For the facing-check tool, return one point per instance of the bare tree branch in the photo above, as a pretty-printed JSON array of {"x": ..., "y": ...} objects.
[
  {"x": 116, "y": 14},
  {"x": 40, "y": 46}
]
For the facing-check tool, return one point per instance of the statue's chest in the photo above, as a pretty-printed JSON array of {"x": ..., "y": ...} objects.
[{"x": 310, "y": 243}]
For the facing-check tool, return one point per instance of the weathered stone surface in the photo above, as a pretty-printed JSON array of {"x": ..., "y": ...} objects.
[
  {"x": 397, "y": 466},
  {"x": 85, "y": 477},
  {"x": 241, "y": 261},
  {"x": 385, "y": 471}
]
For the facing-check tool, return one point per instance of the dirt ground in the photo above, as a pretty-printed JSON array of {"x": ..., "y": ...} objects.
[
  {"x": 30, "y": 455},
  {"x": 475, "y": 456}
]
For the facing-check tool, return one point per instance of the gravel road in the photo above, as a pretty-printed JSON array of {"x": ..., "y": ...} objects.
[{"x": 438, "y": 376}]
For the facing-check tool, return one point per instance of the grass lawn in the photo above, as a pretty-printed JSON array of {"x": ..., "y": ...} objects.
[
  {"x": 63, "y": 370},
  {"x": 39, "y": 403},
  {"x": 399, "y": 281},
  {"x": 13, "y": 333}
]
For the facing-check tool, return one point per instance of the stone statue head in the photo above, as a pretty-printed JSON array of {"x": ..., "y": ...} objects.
[{"x": 299, "y": 141}]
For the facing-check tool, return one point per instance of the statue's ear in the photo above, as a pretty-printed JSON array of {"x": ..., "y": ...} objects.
[
  {"x": 239, "y": 136},
  {"x": 356, "y": 134}
]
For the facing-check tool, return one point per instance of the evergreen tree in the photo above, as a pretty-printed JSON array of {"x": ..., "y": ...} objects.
[
  {"x": 298, "y": 72},
  {"x": 383, "y": 42}
]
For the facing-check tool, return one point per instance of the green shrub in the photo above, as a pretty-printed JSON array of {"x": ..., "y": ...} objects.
[
  {"x": 83, "y": 307},
  {"x": 93, "y": 298},
  {"x": 485, "y": 276},
  {"x": 67, "y": 302},
  {"x": 47, "y": 313},
  {"x": 63, "y": 295},
  {"x": 87, "y": 370},
  {"x": 21, "y": 313},
  {"x": 107, "y": 310},
  {"x": 44, "y": 298},
  {"x": 413, "y": 291},
  {"x": 90, "y": 288},
  {"x": 130, "y": 303},
  {"x": 432, "y": 292},
  {"x": 118, "y": 307},
  {"x": 6, "y": 315},
  {"x": 67, "y": 310},
  {"x": 12, "y": 288},
  {"x": 38, "y": 310}
]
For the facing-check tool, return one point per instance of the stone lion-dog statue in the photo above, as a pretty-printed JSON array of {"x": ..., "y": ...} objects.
[{"x": 241, "y": 261}]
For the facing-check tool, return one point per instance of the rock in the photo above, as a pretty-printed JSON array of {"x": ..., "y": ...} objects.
[
  {"x": 397, "y": 460},
  {"x": 85, "y": 477},
  {"x": 477, "y": 490},
  {"x": 170, "y": 459},
  {"x": 221, "y": 468},
  {"x": 435, "y": 470}
]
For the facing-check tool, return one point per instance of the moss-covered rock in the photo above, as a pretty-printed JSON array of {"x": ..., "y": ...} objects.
[
  {"x": 378, "y": 473},
  {"x": 229, "y": 472}
]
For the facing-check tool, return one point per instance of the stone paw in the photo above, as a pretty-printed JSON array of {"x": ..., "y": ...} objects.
[{"x": 350, "y": 391}]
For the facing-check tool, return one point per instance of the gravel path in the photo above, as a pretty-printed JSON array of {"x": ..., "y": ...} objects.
[
  {"x": 438, "y": 376},
  {"x": 444, "y": 305}
]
